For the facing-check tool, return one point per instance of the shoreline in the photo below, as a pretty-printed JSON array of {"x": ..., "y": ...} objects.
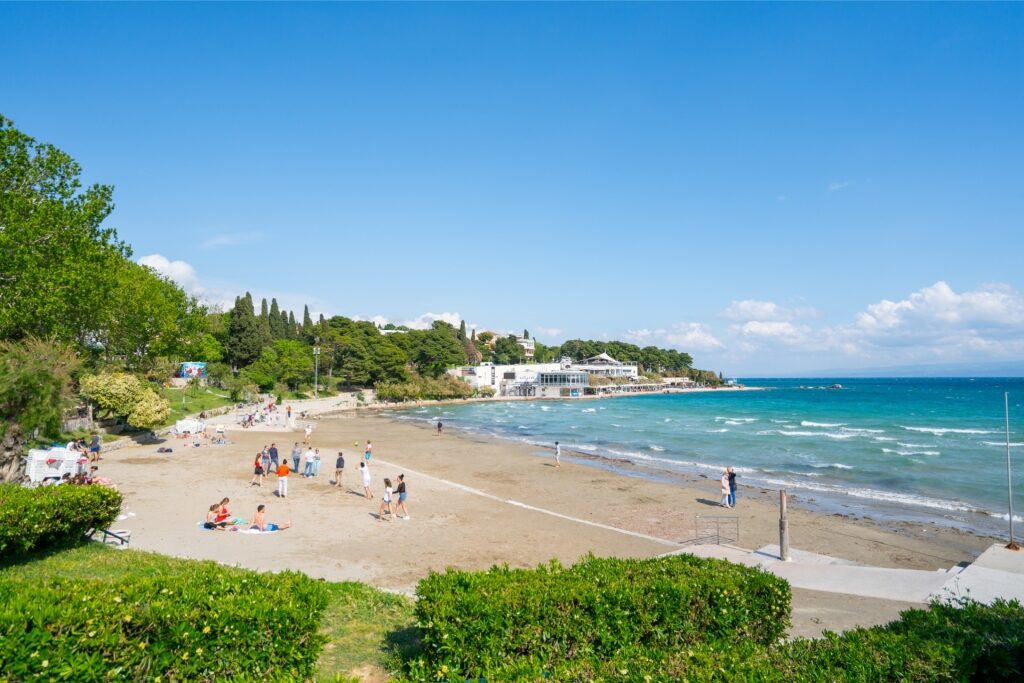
[{"x": 476, "y": 502}]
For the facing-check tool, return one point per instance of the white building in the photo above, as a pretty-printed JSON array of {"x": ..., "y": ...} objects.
[
  {"x": 604, "y": 365},
  {"x": 529, "y": 347}
]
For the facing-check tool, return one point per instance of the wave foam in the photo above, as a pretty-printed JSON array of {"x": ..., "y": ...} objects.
[
  {"x": 890, "y": 450},
  {"x": 808, "y": 423},
  {"x": 830, "y": 435},
  {"x": 939, "y": 431},
  {"x": 835, "y": 465},
  {"x": 656, "y": 448},
  {"x": 1013, "y": 444}
]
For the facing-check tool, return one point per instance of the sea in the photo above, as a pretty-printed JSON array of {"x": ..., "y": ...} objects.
[{"x": 929, "y": 450}]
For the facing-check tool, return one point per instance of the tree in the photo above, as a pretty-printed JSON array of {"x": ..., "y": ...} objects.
[
  {"x": 245, "y": 340},
  {"x": 122, "y": 395},
  {"x": 277, "y": 326},
  {"x": 293, "y": 328},
  {"x": 54, "y": 255},
  {"x": 508, "y": 351},
  {"x": 307, "y": 322},
  {"x": 462, "y": 330},
  {"x": 286, "y": 360},
  {"x": 35, "y": 385},
  {"x": 264, "y": 320},
  {"x": 526, "y": 334}
]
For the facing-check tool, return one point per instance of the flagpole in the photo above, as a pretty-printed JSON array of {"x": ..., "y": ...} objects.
[{"x": 1009, "y": 478}]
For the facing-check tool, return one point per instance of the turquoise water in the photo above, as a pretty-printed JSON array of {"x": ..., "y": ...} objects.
[{"x": 916, "y": 449}]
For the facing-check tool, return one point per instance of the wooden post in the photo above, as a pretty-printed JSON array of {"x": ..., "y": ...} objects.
[{"x": 783, "y": 528}]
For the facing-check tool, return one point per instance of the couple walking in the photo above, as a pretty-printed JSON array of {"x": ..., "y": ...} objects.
[{"x": 728, "y": 482}]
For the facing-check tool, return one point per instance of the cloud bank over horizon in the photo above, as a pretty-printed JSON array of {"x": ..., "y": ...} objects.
[{"x": 935, "y": 324}]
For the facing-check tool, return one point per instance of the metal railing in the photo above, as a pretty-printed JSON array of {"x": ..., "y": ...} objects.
[{"x": 714, "y": 529}]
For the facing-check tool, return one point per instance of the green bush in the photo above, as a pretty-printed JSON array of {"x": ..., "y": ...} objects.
[
  {"x": 52, "y": 516},
  {"x": 445, "y": 387},
  {"x": 205, "y": 622},
  {"x": 493, "y": 623}
]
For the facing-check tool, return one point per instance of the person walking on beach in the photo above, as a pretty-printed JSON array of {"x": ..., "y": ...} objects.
[
  {"x": 257, "y": 476},
  {"x": 440, "y": 426},
  {"x": 732, "y": 487},
  {"x": 309, "y": 433},
  {"x": 366, "y": 479},
  {"x": 402, "y": 495},
  {"x": 296, "y": 456},
  {"x": 339, "y": 468},
  {"x": 265, "y": 457},
  {"x": 558, "y": 455},
  {"x": 289, "y": 412},
  {"x": 724, "y": 481},
  {"x": 282, "y": 480},
  {"x": 310, "y": 457},
  {"x": 369, "y": 451},
  {"x": 385, "y": 502},
  {"x": 274, "y": 456}
]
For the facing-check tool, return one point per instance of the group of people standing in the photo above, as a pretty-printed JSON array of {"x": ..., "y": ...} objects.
[
  {"x": 728, "y": 482},
  {"x": 268, "y": 460}
]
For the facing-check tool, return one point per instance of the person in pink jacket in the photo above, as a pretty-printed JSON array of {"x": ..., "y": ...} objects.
[{"x": 725, "y": 489}]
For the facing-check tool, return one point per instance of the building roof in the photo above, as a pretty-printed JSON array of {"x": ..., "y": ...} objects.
[{"x": 601, "y": 359}]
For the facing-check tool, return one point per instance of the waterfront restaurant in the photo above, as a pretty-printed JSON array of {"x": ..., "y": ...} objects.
[{"x": 562, "y": 384}]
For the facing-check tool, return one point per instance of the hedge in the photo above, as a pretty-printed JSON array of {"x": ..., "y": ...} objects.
[
  {"x": 487, "y": 624},
  {"x": 52, "y": 516},
  {"x": 201, "y": 623}
]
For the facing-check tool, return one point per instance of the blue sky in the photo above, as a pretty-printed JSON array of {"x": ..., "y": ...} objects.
[{"x": 774, "y": 188}]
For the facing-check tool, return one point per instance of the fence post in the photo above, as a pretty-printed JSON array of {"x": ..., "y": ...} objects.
[{"x": 783, "y": 528}]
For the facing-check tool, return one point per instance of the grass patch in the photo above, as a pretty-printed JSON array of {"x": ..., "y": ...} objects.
[
  {"x": 204, "y": 399},
  {"x": 367, "y": 630}
]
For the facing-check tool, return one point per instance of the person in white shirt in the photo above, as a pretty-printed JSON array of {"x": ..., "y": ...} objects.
[
  {"x": 558, "y": 455},
  {"x": 310, "y": 457},
  {"x": 365, "y": 471},
  {"x": 385, "y": 502}
]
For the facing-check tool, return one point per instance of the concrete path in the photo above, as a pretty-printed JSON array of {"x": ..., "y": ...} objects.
[{"x": 998, "y": 573}]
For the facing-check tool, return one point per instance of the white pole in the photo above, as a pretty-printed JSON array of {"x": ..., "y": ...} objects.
[
  {"x": 1009, "y": 473},
  {"x": 316, "y": 372}
]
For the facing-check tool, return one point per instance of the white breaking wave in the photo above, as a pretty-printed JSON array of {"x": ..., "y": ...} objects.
[
  {"x": 939, "y": 431},
  {"x": 1013, "y": 444},
  {"x": 719, "y": 431},
  {"x": 835, "y": 465},
  {"x": 545, "y": 408},
  {"x": 830, "y": 435},
  {"x": 915, "y": 445},
  {"x": 884, "y": 438},
  {"x": 808, "y": 423},
  {"x": 654, "y": 447},
  {"x": 874, "y": 494},
  {"x": 589, "y": 410},
  {"x": 889, "y": 450},
  {"x": 1005, "y": 516},
  {"x": 738, "y": 420}
]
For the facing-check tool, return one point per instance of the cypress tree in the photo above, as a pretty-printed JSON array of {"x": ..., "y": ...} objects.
[
  {"x": 307, "y": 322},
  {"x": 276, "y": 328},
  {"x": 462, "y": 330},
  {"x": 293, "y": 328},
  {"x": 244, "y": 341}
]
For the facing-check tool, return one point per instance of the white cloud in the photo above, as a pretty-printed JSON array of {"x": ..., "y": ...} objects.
[
  {"x": 420, "y": 322},
  {"x": 180, "y": 272},
  {"x": 685, "y": 336},
  {"x": 775, "y": 330},
  {"x": 835, "y": 186},
  {"x": 753, "y": 309},
  {"x": 231, "y": 239},
  {"x": 547, "y": 331}
]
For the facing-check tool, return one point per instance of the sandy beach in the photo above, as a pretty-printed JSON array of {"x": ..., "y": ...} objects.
[{"x": 476, "y": 502}]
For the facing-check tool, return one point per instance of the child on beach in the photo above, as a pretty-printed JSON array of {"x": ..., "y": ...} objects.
[
  {"x": 385, "y": 502},
  {"x": 316, "y": 463},
  {"x": 259, "y": 521},
  {"x": 366, "y": 479},
  {"x": 558, "y": 455},
  {"x": 339, "y": 468},
  {"x": 309, "y": 433},
  {"x": 369, "y": 450},
  {"x": 402, "y": 495},
  {"x": 257, "y": 477},
  {"x": 282, "y": 480}
]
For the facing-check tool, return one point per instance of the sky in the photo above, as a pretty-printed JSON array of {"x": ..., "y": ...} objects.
[{"x": 775, "y": 189}]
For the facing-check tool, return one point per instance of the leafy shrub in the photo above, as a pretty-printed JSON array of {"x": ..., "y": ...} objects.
[
  {"x": 424, "y": 388},
  {"x": 52, "y": 516},
  {"x": 127, "y": 396},
  {"x": 202, "y": 623},
  {"x": 490, "y": 623}
]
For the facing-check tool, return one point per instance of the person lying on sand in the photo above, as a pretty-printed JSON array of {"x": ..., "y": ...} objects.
[{"x": 259, "y": 521}]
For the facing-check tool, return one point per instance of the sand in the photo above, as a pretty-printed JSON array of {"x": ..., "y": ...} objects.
[{"x": 477, "y": 502}]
